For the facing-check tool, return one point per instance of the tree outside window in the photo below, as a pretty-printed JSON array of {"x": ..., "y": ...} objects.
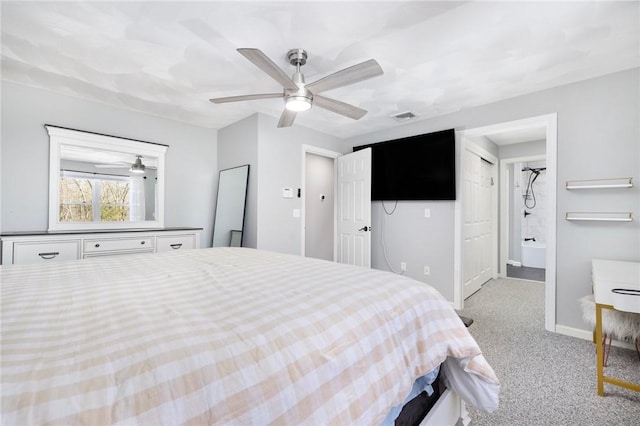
[{"x": 85, "y": 197}]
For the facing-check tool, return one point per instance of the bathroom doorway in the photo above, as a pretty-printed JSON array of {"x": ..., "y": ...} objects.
[{"x": 526, "y": 199}]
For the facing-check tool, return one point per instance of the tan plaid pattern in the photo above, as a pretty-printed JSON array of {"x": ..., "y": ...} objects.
[{"x": 218, "y": 336}]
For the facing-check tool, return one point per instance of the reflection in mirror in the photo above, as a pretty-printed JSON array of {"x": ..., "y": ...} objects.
[
  {"x": 230, "y": 207},
  {"x": 104, "y": 182}
]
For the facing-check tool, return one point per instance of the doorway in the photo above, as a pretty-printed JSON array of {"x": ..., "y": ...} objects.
[
  {"x": 343, "y": 219},
  {"x": 524, "y": 199},
  {"x": 318, "y": 202},
  {"x": 548, "y": 124}
]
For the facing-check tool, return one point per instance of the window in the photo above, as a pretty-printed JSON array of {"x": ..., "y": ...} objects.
[{"x": 86, "y": 197}]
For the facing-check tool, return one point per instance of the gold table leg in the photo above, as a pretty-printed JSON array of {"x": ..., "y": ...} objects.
[
  {"x": 600, "y": 357},
  {"x": 599, "y": 350}
]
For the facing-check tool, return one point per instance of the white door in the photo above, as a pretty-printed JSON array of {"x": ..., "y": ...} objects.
[
  {"x": 477, "y": 223},
  {"x": 353, "y": 245}
]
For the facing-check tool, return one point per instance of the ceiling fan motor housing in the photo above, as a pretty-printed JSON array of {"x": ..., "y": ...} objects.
[
  {"x": 301, "y": 98},
  {"x": 297, "y": 57}
]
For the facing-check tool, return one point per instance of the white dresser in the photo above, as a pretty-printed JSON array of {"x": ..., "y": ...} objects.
[{"x": 37, "y": 247}]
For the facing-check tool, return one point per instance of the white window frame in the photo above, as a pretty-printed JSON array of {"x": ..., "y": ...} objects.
[
  {"x": 59, "y": 136},
  {"x": 97, "y": 180}
]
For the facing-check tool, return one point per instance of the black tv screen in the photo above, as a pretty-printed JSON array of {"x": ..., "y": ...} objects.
[{"x": 418, "y": 167}]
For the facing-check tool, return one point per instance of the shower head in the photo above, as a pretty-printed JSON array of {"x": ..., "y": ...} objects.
[{"x": 534, "y": 170}]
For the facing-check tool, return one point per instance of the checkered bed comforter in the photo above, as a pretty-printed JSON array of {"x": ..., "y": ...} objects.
[{"x": 219, "y": 336}]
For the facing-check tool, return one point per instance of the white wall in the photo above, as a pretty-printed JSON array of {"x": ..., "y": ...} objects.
[
  {"x": 598, "y": 137},
  {"x": 190, "y": 160}
]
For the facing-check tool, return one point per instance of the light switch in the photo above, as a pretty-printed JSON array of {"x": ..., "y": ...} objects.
[
  {"x": 296, "y": 212},
  {"x": 287, "y": 193},
  {"x": 427, "y": 212}
]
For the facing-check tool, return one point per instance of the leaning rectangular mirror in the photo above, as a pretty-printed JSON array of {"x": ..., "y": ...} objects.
[
  {"x": 101, "y": 182},
  {"x": 230, "y": 207}
]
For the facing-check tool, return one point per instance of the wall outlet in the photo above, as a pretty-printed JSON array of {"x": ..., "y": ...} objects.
[
  {"x": 427, "y": 270},
  {"x": 403, "y": 266}
]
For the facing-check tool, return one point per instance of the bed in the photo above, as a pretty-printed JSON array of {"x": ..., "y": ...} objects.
[{"x": 227, "y": 336}]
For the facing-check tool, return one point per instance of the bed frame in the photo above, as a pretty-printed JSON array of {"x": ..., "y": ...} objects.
[{"x": 448, "y": 410}]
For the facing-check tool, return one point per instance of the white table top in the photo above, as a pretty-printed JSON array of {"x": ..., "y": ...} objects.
[{"x": 612, "y": 274}]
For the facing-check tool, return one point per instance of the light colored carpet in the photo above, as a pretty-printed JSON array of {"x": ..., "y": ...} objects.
[{"x": 546, "y": 378}]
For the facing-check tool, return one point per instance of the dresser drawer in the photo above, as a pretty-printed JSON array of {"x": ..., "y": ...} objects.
[
  {"x": 117, "y": 244},
  {"x": 176, "y": 242},
  {"x": 52, "y": 251}
]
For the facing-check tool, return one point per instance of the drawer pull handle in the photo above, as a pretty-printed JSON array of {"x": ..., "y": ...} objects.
[
  {"x": 97, "y": 245},
  {"x": 142, "y": 242},
  {"x": 176, "y": 246},
  {"x": 49, "y": 255}
]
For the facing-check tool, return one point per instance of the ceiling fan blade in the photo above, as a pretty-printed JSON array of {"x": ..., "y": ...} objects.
[
  {"x": 112, "y": 166},
  {"x": 339, "y": 107},
  {"x": 119, "y": 166},
  {"x": 245, "y": 98},
  {"x": 353, "y": 74},
  {"x": 263, "y": 62},
  {"x": 286, "y": 119}
]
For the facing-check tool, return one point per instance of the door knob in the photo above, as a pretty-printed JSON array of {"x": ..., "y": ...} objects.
[{"x": 365, "y": 228}]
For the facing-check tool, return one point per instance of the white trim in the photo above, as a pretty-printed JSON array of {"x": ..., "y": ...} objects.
[
  {"x": 588, "y": 335},
  {"x": 310, "y": 149},
  {"x": 61, "y": 136},
  {"x": 468, "y": 144},
  {"x": 512, "y": 263},
  {"x": 458, "y": 285},
  {"x": 550, "y": 122}
]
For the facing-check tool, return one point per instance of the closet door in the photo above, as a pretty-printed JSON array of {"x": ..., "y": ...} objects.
[{"x": 477, "y": 233}]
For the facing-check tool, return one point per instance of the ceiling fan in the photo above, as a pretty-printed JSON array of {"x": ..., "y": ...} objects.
[
  {"x": 136, "y": 167},
  {"x": 299, "y": 96}
]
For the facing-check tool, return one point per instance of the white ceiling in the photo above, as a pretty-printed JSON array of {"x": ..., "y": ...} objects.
[{"x": 169, "y": 58}]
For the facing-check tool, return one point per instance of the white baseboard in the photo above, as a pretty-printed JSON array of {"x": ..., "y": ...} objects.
[
  {"x": 514, "y": 263},
  {"x": 587, "y": 335}
]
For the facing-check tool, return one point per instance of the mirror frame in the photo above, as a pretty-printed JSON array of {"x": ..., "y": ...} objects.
[
  {"x": 59, "y": 136},
  {"x": 219, "y": 207}
]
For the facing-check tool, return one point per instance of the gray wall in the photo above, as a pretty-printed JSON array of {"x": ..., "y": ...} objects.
[
  {"x": 415, "y": 240},
  {"x": 280, "y": 166},
  {"x": 238, "y": 145},
  {"x": 598, "y": 134},
  {"x": 319, "y": 212},
  {"x": 275, "y": 156},
  {"x": 24, "y": 156}
]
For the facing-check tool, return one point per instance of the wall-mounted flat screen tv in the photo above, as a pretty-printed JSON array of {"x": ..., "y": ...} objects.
[{"x": 418, "y": 167}]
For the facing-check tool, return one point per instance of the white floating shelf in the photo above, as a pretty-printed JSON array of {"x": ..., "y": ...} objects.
[
  {"x": 626, "y": 182},
  {"x": 600, "y": 216}
]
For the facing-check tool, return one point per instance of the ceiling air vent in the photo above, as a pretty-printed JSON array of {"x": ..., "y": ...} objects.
[{"x": 403, "y": 116}]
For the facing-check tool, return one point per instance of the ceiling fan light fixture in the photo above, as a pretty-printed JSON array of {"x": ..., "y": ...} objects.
[
  {"x": 298, "y": 103},
  {"x": 137, "y": 167}
]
